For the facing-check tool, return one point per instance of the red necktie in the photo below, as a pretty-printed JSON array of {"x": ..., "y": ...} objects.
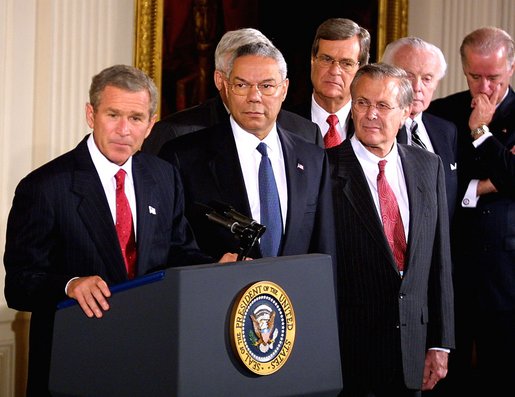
[
  {"x": 124, "y": 225},
  {"x": 391, "y": 216},
  {"x": 332, "y": 138}
]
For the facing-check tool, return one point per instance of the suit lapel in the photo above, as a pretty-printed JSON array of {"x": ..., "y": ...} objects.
[
  {"x": 355, "y": 189},
  {"x": 147, "y": 209},
  {"x": 94, "y": 212},
  {"x": 416, "y": 186},
  {"x": 224, "y": 165},
  {"x": 438, "y": 140},
  {"x": 297, "y": 185},
  {"x": 402, "y": 135}
]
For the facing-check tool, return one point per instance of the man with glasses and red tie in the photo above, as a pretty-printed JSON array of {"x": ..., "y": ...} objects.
[
  {"x": 395, "y": 292},
  {"x": 254, "y": 164},
  {"x": 340, "y": 47}
]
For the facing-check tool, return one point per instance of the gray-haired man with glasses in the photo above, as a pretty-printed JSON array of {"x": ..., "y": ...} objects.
[
  {"x": 214, "y": 110},
  {"x": 394, "y": 278},
  {"x": 221, "y": 163},
  {"x": 340, "y": 47}
]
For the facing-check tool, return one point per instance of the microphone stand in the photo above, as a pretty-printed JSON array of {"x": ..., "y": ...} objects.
[
  {"x": 248, "y": 238},
  {"x": 247, "y": 230}
]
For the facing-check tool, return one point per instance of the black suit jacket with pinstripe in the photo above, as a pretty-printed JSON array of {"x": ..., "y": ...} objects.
[
  {"x": 387, "y": 323},
  {"x": 60, "y": 226}
]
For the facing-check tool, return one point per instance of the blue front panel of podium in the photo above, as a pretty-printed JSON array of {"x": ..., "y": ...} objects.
[{"x": 171, "y": 337}]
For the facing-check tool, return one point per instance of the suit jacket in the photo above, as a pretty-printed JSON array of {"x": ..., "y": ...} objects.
[
  {"x": 443, "y": 136},
  {"x": 380, "y": 313},
  {"x": 60, "y": 226},
  {"x": 485, "y": 235},
  {"x": 209, "y": 166},
  {"x": 212, "y": 112}
]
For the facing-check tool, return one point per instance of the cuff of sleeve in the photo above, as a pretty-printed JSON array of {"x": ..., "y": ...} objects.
[
  {"x": 470, "y": 198},
  {"x": 441, "y": 349},
  {"x": 68, "y": 283},
  {"x": 481, "y": 139}
]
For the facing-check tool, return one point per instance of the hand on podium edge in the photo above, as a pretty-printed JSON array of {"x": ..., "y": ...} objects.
[
  {"x": 231, "y": 257},
  {"x": 90, "y": 293}
]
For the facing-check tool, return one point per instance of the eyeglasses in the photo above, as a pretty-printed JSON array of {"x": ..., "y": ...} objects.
[
  {"x": 362, "y": 105},
  {"x": 326, "y": 61},
  {"x": 243, "y": 89}
]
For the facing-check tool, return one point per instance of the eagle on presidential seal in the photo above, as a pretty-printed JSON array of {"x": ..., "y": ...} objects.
[{"x": 263, "y": 324}]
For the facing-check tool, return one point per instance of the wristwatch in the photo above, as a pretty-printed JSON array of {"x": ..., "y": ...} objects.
[{"x": 479, "y": 131}]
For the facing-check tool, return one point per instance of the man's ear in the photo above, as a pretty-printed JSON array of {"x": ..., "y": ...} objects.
[
  {"x": 90, "y": 115},
  {"x": 286, "y": 84},
  {"x": 153, "y": 120},
  {"x": 219, "y": 79}
]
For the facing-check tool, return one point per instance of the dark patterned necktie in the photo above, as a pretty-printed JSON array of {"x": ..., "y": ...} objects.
[
  {"x": 332, "y": 138},
  {"x": 391, "y": 216},
  {"x": 270, "y": 206},
  {"x": 415, "y": 137},
  {"x": 125, "y": 226}
]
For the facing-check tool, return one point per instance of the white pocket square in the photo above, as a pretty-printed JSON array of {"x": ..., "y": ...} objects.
[{"x": 454, "y": 166}]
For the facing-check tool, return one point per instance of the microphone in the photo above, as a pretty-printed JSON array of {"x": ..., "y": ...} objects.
[
  {"x": 231, "y": 213},
  {"x": 246, "y": 229},
  {"x": 222, "y": 220}
]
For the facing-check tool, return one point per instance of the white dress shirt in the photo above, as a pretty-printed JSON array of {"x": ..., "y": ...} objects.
[
  {"x": 106, "y": 171},
  {"x": 394, "y": 175},
  {"x": 319, "y": 116},
  {"x": 250, "y": 158}
]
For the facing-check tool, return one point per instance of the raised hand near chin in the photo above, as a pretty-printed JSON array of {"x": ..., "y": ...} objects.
[{"x": 483, "y": 108}]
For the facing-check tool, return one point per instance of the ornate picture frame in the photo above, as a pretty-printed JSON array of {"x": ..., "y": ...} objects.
[{"x": 149, "y": 14}]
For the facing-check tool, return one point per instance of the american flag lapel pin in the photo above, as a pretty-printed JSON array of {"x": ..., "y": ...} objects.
[
  {"x": 151, "y": 210},
  {"x": 300, "y": 166}
]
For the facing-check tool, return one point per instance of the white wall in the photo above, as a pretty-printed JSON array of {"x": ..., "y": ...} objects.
[
  {"x": 49, "y": 50},
  {"x": 446, "y": 22}
]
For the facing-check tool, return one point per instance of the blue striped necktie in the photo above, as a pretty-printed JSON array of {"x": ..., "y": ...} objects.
[{"x": 270, "y": 206}]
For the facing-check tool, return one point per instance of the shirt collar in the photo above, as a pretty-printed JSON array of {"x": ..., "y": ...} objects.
[
  {"x": 105, "y": 168},
  {"x": 249, "y": 142}
]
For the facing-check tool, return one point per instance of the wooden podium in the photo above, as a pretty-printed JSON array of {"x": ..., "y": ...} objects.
[{"x": 168, "y": 334}]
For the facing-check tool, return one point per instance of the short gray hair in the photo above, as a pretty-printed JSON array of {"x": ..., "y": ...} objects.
[
  {"x": 233, "y": 39},
  {"x": 261, "y": 50},
  {"x": 127, "y": 78},
  {"x": 415, "y": 42},
  {"x": 381, "y": 71}
]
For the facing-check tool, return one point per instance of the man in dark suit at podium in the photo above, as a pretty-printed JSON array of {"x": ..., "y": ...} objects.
[
  {"x": 214, "y": 110},
  {"x": 62, "y": 240},
  {"x": 221, "y": 162}
]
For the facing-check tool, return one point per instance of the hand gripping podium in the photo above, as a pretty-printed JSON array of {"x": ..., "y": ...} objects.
[{"x": 183, "y": 332}]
